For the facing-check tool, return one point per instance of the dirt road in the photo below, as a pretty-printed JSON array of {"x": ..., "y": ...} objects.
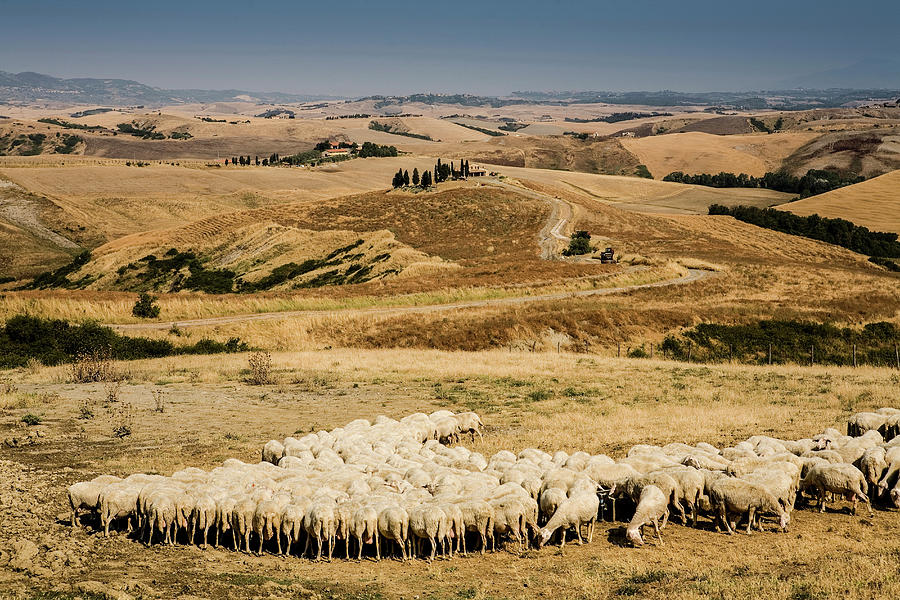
[
  {"x": 693, "y": 275},
  {"x": 555, "y": 230}
]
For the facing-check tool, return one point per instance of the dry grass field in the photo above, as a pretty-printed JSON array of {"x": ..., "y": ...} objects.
[
  {"x": 874, "y": 203},
  {"x": 206, "y": 413},
  {"x": 698, "y": 152}
]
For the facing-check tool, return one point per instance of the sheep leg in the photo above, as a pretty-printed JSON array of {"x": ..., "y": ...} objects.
[
  {"x": 657, "y": 528},
  {"x": 278, "y": 537},
  {"x": 723, "y": 516},
  {"x": 377, "y": 548},
  {"x": 750, "y": 516},
  {"x": 821, "y": 501},
  {"x": 665, "y": 518},
  {"x": 433, "y": 548}
]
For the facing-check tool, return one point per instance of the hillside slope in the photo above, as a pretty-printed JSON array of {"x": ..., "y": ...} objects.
[{"x": 874, "y": 203}]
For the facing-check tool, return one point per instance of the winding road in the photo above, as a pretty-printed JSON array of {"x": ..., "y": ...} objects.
[
  {"x": 693, "y": 275},
  {"x": 561, "y": 215}
]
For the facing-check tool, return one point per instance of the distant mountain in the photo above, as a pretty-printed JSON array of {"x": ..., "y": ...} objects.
[
  {"x": 35, "y": 87},
  {"x": 872, "y": 73}
]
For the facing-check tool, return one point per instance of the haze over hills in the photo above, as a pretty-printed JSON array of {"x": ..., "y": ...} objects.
[
  {"x": 864, "y": 86},
  {"x": 868, "y": 73},
  {"x": 34, "y": 87}
]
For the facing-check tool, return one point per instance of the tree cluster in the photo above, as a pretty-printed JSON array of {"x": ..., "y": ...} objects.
[
  {"x": 442, "y": 172},
  {"x": 816, "y": 181},
  {"x": 834, "y": 231}
]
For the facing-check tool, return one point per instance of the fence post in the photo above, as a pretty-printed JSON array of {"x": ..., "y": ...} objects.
[
  {"x": 897, "y": 356},
  {"x": 651, "y": 349},
  {"x": 812, "y": 355},
  {"x": 618, "y": 349},
  {"x": 690, "y": 351},
  {"x": 770, "y": 353},
  {"x": 854, "y": 355}
]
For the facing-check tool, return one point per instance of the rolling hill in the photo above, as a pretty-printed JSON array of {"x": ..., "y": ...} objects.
[{"x": 874, "y": 203}]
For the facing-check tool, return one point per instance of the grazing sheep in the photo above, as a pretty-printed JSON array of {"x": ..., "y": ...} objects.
[
  {"x": 652, "y": 506},
  {"x": 891, "y": 470},
  {"x": 86, "y": 494},
  {"x": 573, "y": 513},
  {"x": 393, "y": 524},
  {"x": 319, "y": 523},
  {"x": 469, "y": 422},
  {"x": 843, "y": 479},
  {"x": 117, "y": 500},
  {"x": 364, "y": 527},
  {"x": 550, "y": 500},
  {"x": 862, "y": 422},
  {"x": 872, "y": 465},
  {"x": 689, "y": 489},
  {"x": 427, "y": 521},
  {"x": 272, "y": 452},
  {"x": 729, "y": 495},
  {"x": 478, "y": 517}
]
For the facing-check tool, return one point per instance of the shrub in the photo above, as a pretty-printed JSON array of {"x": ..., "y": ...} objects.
[
  {"x": 580, "y": 243},
  {"x": 145, "y": 307},
  {"x": 53, "y": 342},
  {"x": 32, "y": 419},
  {"x": 260, "y": 364}
]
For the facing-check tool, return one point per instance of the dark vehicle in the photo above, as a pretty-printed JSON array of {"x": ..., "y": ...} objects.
[{"x": 607, "y": 257}]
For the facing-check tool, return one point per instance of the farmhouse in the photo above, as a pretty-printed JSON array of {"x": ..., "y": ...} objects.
[
  {"x": 337, "y": 152},
  {"x": 477, "y": 171}
]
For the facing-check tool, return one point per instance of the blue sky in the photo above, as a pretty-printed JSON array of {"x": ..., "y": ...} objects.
[{"x": 351, "y": 47}]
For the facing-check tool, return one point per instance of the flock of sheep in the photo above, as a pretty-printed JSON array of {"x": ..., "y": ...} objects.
[{"x": 387, "y": 487}]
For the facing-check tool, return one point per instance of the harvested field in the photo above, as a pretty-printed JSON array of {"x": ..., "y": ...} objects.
[
  {"x": 874, "y": 203},
  {"x": 753, "y": 154}
]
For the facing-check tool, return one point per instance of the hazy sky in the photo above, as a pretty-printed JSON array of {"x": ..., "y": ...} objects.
[{"x": 351, "y": 47}]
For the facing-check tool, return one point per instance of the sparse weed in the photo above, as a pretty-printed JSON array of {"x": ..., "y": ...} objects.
[
  {"x": 85, "y": 409},
  {"x": 122, "y": 419},
  {"x": 260, "y": 364},
  {"x": 93, "y": 366},
  {"x": 159, "y": 400}
]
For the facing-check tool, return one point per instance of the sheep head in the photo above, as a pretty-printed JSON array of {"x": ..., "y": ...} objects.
[
  {"x": 634, "y": 536},
  {"x": 895, "y": 497},
  {"x": 783, "y": 520},
  {"x": 543, "y": 537}
]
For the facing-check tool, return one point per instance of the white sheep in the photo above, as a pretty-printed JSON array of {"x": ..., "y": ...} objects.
[
  {"x": 393, "y": 524},
  {"x": 86, "y": 494},
  {"x": 842, "y": 478},
  {"x": 730, "y": 495},
  {"x": 573, "y": 513},
  {"x": 652, "y": 506}
]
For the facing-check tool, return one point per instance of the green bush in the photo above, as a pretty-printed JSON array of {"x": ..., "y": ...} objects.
[
  {"x": 31, "y": 419},
  {"x": 145, "y": 307},
  {"x": 790, "y": 341},
  {"x": 53, "y": 342},
  {"x": 580, "y": 243}
]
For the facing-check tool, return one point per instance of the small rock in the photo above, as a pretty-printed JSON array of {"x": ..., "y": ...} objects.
[
  {"x": 23, "y": 553},
  {"x": 95, "y": 587}
]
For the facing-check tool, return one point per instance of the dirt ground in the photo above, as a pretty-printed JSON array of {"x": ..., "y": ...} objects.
[{"x": 196, "y": 411}]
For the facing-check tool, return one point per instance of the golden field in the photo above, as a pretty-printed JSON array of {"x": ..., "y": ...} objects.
[{"x": 874, "y": 203}]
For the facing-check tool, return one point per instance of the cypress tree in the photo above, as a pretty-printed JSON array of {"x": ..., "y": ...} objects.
[
  {"x": 415, "y": 177},
  {"x": 406, "y": 178}
]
